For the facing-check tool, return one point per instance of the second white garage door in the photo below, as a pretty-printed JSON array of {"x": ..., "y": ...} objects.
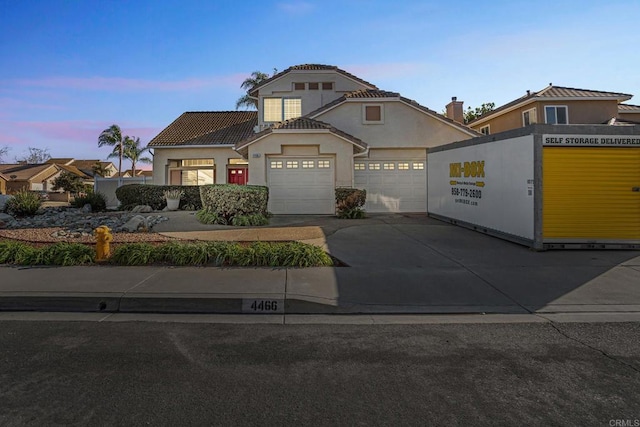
[
  {"x": 301, "y": 185},
  {"x": 393, "y": 186}
]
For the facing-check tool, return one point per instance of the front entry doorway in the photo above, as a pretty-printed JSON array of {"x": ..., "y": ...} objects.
[{"x": 237, "y": 175}]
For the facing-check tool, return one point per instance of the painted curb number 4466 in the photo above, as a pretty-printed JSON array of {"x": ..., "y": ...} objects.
[{"x": 262, "y": 306}]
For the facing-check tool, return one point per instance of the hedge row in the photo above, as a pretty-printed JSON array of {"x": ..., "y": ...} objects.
[
  {"x": 272, "y": 254},
  {"x": 133, "y": 195}
]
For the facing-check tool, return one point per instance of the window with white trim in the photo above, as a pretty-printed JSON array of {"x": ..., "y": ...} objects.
[
  {"x": 529, "y": 117},
  {"x": 359, "y": 166},
  {"x": 403, "y": 166},
  {"x": 196, "y": 162},
  {"x": 323, "y": 164},
  {"x": 279, "y": 109},
  {"x": 308, "y": 164},
  {"x": 418, "y": 165},
  {"x": 276, "y": 164},
  {"x": 556, "y": 114},
  {"x": 388, "y": 166},
  {"x": 372, "y": 114},
  {"x": 485, "y": 130},
  {"x": 374, "y": 166}
]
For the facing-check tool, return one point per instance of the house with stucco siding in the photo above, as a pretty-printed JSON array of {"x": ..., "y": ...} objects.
[{"x": 317, "y": 128}]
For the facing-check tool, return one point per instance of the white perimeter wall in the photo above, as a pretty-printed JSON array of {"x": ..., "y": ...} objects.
[{"x": 507, "y": 197}]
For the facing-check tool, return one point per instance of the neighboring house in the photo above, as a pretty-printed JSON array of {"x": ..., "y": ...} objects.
[
  {"x": 553, "y": 105},
  {"x": 86, "y": 167},
  {"x": 629, "y": 113},
  {"x": 35, "y": 177},
  {"x": 317, "y": 128},
  {"x": 3, "y": 184}
]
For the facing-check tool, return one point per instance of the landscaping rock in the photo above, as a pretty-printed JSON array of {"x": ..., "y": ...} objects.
[
  {"x": 135, "y": 223},
  {"x": 3, "y": 201},
  {"x": 75, "y": 221},
  {"x": 142, "y": 209},
  {"x": 87, "y": 208}
]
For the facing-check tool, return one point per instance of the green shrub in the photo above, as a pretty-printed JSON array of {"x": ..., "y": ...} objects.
[
  {"x": 61, "y": 253},
  {"x": 132, "y": 195},
  {"x": 24, "y": 203},
  {"x": 134, "y": 254},
  {"x": 349, "y": 203},
  {"x": 229, "y": 201},
  {"x": 97, "y": 201},
  {"x": 207, "y": 217},
  {"x": 259, "y": 254}
]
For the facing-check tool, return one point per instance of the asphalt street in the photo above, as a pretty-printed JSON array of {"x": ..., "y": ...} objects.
[{"x": 144, "y": 373}]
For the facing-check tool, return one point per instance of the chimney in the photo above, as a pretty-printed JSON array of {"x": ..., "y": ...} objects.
[{"x": 455, "y": 111}]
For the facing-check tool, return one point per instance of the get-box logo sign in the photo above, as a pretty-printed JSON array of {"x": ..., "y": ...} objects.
[{"x": 466, "y": 191}]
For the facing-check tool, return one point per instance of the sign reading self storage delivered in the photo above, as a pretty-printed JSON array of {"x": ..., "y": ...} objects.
[{"x": 545, "y": 190}]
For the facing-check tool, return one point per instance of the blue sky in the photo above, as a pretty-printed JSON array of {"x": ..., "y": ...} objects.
[{"x": 72, "y": 68}]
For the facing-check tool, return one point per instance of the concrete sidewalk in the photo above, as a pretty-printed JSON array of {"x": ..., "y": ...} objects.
[{"x": 396, "y": 264}]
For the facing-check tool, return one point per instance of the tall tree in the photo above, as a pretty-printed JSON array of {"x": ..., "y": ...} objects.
[
  {"x": 134, "y": 151},
  {"x": 3, "y": 152},
  {"x": 472, "y": 114},
  {"x": 248, "y": 84},
  {"x": 35, "y": 156},
  {"x": 99, "y": 169},
  {"x": 112, "y": 136}
]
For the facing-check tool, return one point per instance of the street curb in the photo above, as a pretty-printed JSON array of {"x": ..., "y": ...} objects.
[{"x": 227, "y": 304}]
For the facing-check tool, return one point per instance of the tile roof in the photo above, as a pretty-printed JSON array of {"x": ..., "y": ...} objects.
[
  {"x": 301, "y": 123},
  {"x": 311, "y": 67},
  {"x": 376, "y": 93},
  {"x": 628, "y": 108},
  {"x": 74, "y": 170},
  {"x": 570, "y": 92},
  {"x": 551, "y": 92},
  {"x": 22, "y": 172},
  {"x": 60, "y": 160},
  {"x": 207, "y": 128}
]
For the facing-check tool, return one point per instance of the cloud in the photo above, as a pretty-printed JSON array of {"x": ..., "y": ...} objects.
[
  {"x": 126, "y": 84},
  {"x": 296, "y": 8}
]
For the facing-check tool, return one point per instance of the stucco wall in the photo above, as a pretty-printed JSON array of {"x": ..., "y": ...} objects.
[
  {"x": 397, "y": 154},
  {"x": 633, "y": 117},
  {"x": 301, "y": 144},
  {"x": 311, "y": 99},
  {"x": 580, "y": 112},
  {"x": 221, "y": 155},
  {"x": 404, "y": 126},
  {"x": 3, "y": 186}
]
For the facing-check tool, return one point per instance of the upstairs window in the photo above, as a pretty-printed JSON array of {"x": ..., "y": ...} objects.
[
  {"x": 314, "y": 86},
  {"x": 298, "y": 86},
  {"x": 556, "y": 115},
  {"x": 279, "y": 109},
  {"x": 485, "y": 130},
  {"x": 327, "y": 86},
  {"x": 372, "y": 114},
  {"x": 529, "y": 117}
]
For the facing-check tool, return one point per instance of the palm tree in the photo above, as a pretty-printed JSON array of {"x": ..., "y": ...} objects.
[
  {"x": 98, "y": 168},
  {"x": 248, "y": 84},
  {"x": 133, "y": 151},
  {"x": 112, "y": 136}
]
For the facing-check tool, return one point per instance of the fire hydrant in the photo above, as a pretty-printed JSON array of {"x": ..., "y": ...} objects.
[{"x": 103, "y": 237}]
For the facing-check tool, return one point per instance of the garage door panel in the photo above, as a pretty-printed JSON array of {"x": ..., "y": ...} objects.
[
  {"x": 301, "y": 190},
  {"x": 393, "y": 189}
]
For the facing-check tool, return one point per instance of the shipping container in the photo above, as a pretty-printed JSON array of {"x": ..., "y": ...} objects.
[{"x": 544, "y": 186}]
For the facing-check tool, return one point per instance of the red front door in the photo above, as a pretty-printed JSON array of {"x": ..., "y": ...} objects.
[{"x": 237, "y": 175}]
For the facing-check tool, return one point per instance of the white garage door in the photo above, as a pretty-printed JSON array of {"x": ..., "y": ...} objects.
[
  {"x": 393, "y": 186},
  {"x": 301, "y": 185}
]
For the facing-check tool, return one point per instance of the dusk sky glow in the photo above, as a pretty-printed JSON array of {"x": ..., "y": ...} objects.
[{"x": 72, "y": 68}]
